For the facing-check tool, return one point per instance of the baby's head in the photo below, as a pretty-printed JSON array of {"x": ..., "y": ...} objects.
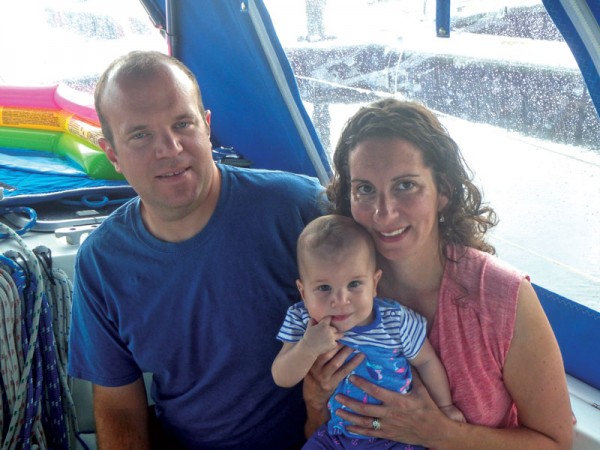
[{"x": 338, "y": 273}]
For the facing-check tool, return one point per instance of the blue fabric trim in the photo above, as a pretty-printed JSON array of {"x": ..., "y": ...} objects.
[
  {"x": 580, "y": 52},
  {"x": 594, "y": 6},
  {"x": 577, "y": 329}
]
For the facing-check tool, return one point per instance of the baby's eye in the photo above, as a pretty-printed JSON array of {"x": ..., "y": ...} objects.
[
  {"x": 354, "y": 284},
  {"x": 324, "y": 288}
]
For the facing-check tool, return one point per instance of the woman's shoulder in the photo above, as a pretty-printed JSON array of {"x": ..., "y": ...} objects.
[
  {"x": 480, "y": 291},
  {"x": 470, "y": 265},
  {"x": 480, "y": 280}
]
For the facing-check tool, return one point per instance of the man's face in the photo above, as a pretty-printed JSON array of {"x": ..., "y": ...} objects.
[{"x": 161, "y": 142}]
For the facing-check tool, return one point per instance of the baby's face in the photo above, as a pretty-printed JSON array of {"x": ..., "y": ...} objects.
[{"x": 341, "y": 286}]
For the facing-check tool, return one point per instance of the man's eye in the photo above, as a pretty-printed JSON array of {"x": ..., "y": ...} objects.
[
  {"x": 182, "y": 124},
  {"x": 140, "y": 135}
]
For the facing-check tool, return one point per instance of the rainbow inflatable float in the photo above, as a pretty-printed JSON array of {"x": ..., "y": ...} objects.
[{"x": 55, "y": 119}]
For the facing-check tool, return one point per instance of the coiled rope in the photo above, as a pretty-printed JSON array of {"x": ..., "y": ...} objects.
[{"x": 36, "y": 407}]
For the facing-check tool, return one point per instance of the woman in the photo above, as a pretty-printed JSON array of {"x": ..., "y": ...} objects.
[{"x": 402, "y": 177}]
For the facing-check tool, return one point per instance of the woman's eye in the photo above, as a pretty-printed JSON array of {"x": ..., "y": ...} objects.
[
  {"x": 365, "y": 189},
  {"x": 405, "y": 186},
  {"x": 363, "y": 193}
]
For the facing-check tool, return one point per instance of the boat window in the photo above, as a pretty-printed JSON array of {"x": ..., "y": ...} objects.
[
  {"x": 508, "y": 89},
  {"x": 70, "y": 41}
]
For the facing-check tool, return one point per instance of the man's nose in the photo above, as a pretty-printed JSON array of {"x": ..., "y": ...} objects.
[{"x": 169, "y": 145}]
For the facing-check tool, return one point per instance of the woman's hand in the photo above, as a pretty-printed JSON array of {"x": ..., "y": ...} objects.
[
  {"x": 326, "y": 373},
  {"x": 412, "y": 418}
]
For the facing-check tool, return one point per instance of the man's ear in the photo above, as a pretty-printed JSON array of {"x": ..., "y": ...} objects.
[
  {"x": 110, "y": 153},
  {"x": 207, "y": 116}
]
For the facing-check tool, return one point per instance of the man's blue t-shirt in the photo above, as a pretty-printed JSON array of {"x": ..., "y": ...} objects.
[{"x": 201, "y": 314}]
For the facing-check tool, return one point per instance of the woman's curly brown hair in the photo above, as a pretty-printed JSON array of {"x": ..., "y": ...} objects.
[{"x": 466, "y": 218}]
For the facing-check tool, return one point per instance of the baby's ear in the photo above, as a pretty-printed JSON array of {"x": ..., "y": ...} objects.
[
  {"x": 376, "y": 278},
  {"x": 300, "y": 287}
]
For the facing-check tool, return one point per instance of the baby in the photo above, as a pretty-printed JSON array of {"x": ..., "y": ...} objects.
[{"x": 338, "y": 283}]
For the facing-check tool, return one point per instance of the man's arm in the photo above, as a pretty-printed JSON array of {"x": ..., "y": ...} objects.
[{"x": 121, "y": 415}]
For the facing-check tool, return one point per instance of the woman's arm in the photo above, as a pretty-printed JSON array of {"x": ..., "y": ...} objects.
[
  {"x": 533, "y": 374},
  {"x": 121, "y": 416},
  {"x": 319, "y": 384}
]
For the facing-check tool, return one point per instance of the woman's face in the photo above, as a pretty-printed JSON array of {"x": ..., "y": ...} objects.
[{"x": 394, "y": 196}]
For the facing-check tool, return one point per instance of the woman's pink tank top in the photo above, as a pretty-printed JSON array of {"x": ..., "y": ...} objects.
[{"x": 472, "y": 331}]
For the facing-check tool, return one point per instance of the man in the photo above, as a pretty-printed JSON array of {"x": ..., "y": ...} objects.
[{"x": 190, "y": 280}]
